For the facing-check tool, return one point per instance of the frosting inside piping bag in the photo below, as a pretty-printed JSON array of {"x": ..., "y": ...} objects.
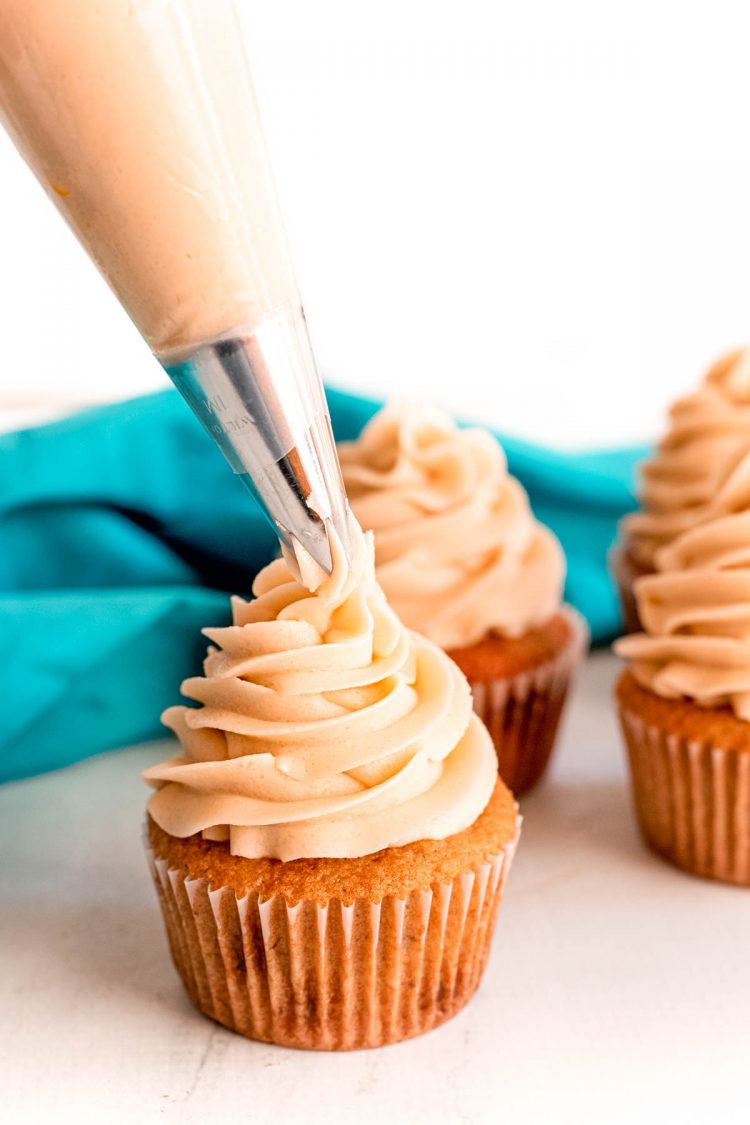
[{"x": 325, "y": 728}]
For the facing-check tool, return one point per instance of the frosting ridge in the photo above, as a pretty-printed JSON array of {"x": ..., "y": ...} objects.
[
  {"x": 325, "y": 727},
  {"x": 701, "y": 468},
  {"x": 458, "y": 551},
  {"x": 696, "y": 616}
]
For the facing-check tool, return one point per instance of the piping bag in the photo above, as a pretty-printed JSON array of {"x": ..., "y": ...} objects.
[{"x": 139, "y": 119}]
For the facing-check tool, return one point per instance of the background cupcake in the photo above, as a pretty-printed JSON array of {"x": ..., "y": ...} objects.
[
  {"x": 330, "y": 844},
  {"x": 685, "y": 701},
  {"x": 701, "y": 469},
  {"x": 462, "y": 560}
]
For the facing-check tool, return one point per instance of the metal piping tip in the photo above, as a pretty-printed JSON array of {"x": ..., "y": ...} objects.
[
  {"x": 302, "y": 496},
  {"x": 257, "y": 391}
]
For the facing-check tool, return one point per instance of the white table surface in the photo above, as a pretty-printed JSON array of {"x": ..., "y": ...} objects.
[{"x": 617, "y": 990}]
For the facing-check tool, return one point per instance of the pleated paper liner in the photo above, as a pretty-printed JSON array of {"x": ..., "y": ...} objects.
[
  {"x": 625, "y": 570},
  {"x": 336, "y": 976},
  {"x": 692, "y": 800},
  {"x": 522, "y": 713}
]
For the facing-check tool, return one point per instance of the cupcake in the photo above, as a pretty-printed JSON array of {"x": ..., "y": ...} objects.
[
  {"x": 330, "y": 843},
  {"x": 701, "y": 469},
  {"x": 462, "y": 560},
  {"x": 684, "y": 701}
]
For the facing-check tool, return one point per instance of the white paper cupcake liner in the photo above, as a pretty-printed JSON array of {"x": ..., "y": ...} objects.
[
  {"x": 692, "y": 800},
  {"x": 523, "y": 713},
  {"x": 331, "y": 976}
]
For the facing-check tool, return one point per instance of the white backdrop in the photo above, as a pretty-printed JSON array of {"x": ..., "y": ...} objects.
[{"x": 536, "y": 213}]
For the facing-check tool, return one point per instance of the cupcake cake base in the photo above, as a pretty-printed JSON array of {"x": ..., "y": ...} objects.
[
  {"x": 335, "y": 954},
  {"x": 691, "y": 781},
  {"x": 519, "y": 686}
]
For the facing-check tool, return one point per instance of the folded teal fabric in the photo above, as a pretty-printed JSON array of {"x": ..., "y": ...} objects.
[{"x": 121, "y": 532}]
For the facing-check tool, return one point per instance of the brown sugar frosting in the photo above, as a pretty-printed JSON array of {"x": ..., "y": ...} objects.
[
  {"x": 701, "y": 469},
  {"x": 696, "y": 615},
  {"x": 459, "y": 553},
  {"x": 326, "y": 728}
]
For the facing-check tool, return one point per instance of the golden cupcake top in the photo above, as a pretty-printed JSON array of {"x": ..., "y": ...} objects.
[
  {"x": 325, "y": 728},
  {"x": 458, "y": 551},
  {"x": 701, "y": 468}
]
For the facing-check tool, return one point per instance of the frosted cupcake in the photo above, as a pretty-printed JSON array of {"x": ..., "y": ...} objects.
[
  {"x": 685, "y": 701},
  {"x": 700, "y": 470},
  {"x": 331, "y": 841},
  {"x": 462, "y": 560}
]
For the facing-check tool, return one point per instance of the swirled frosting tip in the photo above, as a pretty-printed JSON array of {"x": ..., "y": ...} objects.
[
  {"x": 458, "y": 551},
  {"x": 695, "y": 535},
  {"x": 701, "y": 468},
  {"x": 324, "y": 727}
]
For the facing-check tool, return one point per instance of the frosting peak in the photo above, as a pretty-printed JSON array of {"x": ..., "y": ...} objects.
[
  {"x": 459, "y": 553},
  {"x": 695, "y": 533},
  {"x": 701, "y": 469},
  {"x": 326, "y": 728}
]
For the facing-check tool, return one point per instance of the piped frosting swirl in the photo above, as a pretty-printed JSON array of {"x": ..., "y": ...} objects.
[
  {"x": 696, "y": 615},
  {"x": 459, "y": 553},
  {"x": 326, "y": 728},
  {"x": 701, "y": 469}
]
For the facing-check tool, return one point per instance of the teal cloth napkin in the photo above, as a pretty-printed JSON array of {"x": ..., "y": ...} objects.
[{"x": 122, "y": 529}]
